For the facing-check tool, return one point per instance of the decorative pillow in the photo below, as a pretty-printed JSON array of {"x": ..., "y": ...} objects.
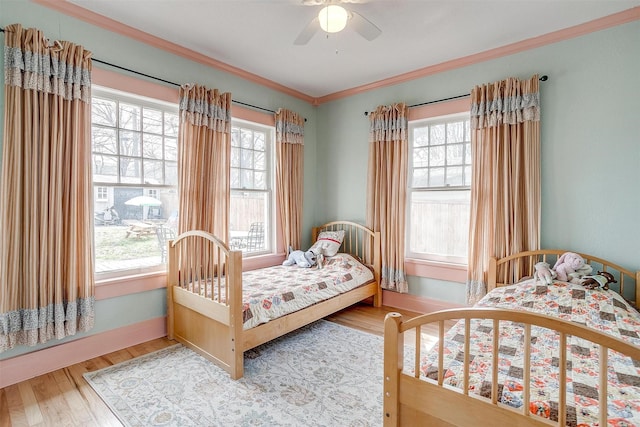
[{"x": 328, "y": 242}]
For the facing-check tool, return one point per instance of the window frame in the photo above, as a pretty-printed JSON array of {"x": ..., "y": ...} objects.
[
  {"x": 121, "y": 96},
  {"x": 422, "y": 267},
  {"x": 271, "y": 246}
]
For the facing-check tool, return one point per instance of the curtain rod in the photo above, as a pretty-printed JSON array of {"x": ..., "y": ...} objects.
[
  {"x": 543, "y": 78},
  {"x": 169, "y": 82}
]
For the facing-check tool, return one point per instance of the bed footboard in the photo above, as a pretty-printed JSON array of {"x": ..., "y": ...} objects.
[
  {"x": 412, "y": 399},
  {"x": 204, "y": 298}
]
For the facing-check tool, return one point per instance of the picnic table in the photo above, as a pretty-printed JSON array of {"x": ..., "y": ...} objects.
[{"x": 138, "y": 229}]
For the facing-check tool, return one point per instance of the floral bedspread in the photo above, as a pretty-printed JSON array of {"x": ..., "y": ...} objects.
[
  {"x": 605, "y": 311},
  {"x": 272, "y": 292}
]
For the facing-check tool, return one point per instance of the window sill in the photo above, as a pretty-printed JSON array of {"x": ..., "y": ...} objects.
[
  {"x": 125, "y": 285},
  {"x": 436, "y": 270}
]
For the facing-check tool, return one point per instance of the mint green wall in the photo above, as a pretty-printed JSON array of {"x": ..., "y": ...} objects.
[
  {"x": 125, "y": 52},
  {"x": 589, "y": 132}
]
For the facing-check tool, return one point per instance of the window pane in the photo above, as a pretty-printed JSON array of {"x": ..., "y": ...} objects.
[
  {"x": 103, "y": 112},
  {"x": 421, "y": 177},
  {"x": 467, "y": 153},
  {"x": 119, "y": 246},
  {"x": 152, "y": 146},
  {"x": 467, "y": 175},
  {"x": 260, "y": 160},
  {"x": 130, "y": 170},
  {"x": 130, "y": 116},
  {"x": 436, "y": 156},
  {"x": 105, "y": 168},
  {"x": 454, "y": 176},
  {"x": 421, "y": 136},
  {"x": 436, "y": 177},
  {"x": 455, "y": 132},
  {"x": 235, "y": 178},
  {"x": 235, "y": 137},
  {"x": 249, "y": 221},
  {"x": 246, "y": 138},
  {"x": 104, "y": 140},
  {"x": 260, "y": 181},
  {"x": 420, "y": 157},
  {"x": 170, "y": 149},
  {"x": 454, "y": 154},
  {"x": 153, "y": 172},
  {"x": 439, "y": 223},
  {"x": 436, "y": 134},
  {"x": 152, "y": 121},
  {"x": 235, "y": 157},
  {"x": 258, "y": 141},
  {"x": 129, "y": 143},
  {"x": 171, "y": 124},
  {"x": 171, "y": 173},
  {"x": 246, "y": 159},
  {"x": 246, "y": 176}
]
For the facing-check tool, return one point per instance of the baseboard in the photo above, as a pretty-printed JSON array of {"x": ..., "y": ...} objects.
[
  {"x": 416, "y": 303},
  {"x": 30, "y": 365}
]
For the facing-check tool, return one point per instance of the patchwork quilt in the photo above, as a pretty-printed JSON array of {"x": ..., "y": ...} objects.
[
  {"x": 272, "y": 292},
  {"x": 605, "y": 311}
]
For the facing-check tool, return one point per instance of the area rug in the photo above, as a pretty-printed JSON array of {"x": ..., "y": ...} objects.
[{"x": 323, "y": 374}]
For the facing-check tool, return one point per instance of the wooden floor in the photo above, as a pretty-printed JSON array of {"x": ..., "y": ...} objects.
[{"x": 64, "y": 398}]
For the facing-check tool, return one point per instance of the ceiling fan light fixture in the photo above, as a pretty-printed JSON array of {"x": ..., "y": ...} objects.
[{"x": 333, "y": 18}]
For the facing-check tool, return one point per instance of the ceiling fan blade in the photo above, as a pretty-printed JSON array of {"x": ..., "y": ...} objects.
[
  {"x": 364, "y": 27},
  {"x": 308, "y": 32}
]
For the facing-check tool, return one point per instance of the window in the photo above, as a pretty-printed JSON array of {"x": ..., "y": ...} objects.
[
  {"x": 251, "y": 209},
  {"x": 439, "y": 189},
  {"x": 134, "y": 159},
  {"x": 101, "y": 194}
]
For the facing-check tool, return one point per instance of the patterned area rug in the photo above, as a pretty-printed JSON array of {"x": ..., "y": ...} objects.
[{"x": 321, "y": 375}]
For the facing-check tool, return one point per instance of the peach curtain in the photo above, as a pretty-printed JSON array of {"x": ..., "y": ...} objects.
[
  {"x": 387, "y": 189},
  {"x": 46, "y": 211},
  {"x": 505, "y": 189},
  {"x": 289, "y": 174},
  {"x": 204, "y": 160}
]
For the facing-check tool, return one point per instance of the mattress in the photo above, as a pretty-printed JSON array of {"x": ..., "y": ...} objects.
[
  {"x": 272, "y": 292},
  {"x": 605, "y": 311}
]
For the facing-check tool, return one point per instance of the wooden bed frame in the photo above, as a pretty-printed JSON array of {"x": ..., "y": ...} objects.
[
  {"x": 213, "y": 326},
  {"x": 412, "y": 401}
]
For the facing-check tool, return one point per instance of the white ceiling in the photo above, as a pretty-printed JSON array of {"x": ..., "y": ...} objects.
[{"x": 257, "y": 35}]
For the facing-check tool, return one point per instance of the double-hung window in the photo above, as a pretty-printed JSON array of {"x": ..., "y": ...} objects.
[
  {"x": 252, "y": 207},
  {"x": 439, "y": 187},
  {"x": 134, "y": 159}
]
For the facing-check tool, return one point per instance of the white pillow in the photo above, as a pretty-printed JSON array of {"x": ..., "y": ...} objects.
[{"x": 328, "y": 243}]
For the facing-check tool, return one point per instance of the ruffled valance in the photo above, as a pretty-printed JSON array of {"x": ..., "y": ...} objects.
[
  {"x": 508, "y": 101},
  {"x": 206, "y": 107},
  {"x": 35, "y": 63},
  {"x": 289, "y": 127},
  {"x": 388, "y": 123}
]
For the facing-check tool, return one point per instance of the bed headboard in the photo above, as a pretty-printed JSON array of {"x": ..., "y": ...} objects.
[
  {"x": 359, "y": 241},
  {"x": 513, "y": 268}
]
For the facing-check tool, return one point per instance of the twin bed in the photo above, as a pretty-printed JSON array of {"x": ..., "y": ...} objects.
[
  {"x": 216, "y": 309},
  {"x": 499, "y": 365}
]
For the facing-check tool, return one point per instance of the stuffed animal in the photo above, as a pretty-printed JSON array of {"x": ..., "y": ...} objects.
[
  {"x": 544, "y": 273},
  {"x": 600, "y": 280},
  {"x": 301, "y": 258},
  {"x": 576, "y": 277},
  {"x": 568, "y": 263}
]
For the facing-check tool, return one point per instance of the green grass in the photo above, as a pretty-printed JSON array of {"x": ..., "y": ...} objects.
[{"x": 112, "y": 245}]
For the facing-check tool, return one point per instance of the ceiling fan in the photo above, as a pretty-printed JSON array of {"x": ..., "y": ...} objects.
[{"x": 333, "y": 17}]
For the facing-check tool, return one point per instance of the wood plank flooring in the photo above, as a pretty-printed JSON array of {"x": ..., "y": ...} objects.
[{"x": 64, "y": 398}]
